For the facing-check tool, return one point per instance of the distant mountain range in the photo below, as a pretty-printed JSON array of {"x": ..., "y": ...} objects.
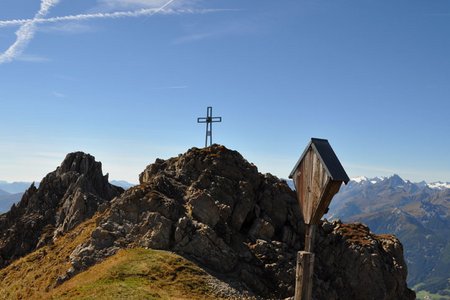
[
  {"x": 10, "y": 193},
  {"x": 417, "y": 213},
  {"x": 14, "y": 187},
  {"x": 122, "y": 183}
]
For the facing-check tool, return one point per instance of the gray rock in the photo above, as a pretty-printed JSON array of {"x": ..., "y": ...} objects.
[
  {"x": 203, "y": 208},
  {"x": 159, "y": 231}
]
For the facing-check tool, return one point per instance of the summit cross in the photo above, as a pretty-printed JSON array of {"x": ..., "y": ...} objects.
[{"x": 209, "y": 120}]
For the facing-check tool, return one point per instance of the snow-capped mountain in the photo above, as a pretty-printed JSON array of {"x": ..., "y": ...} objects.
[
  {"x": 401, "y": 182},
  {"x": 439, "y": 185}
]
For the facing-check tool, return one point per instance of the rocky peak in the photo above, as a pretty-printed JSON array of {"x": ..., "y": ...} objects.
[
  {"x": 79, "y": 162},
  {"x": 197, "y": 163},
  {"x": 395, "y": 181},
  {"x": 65, "y": 198},
  {"x": 214, "y": 207}
]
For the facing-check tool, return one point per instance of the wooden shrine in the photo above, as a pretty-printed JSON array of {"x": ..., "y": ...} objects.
[{"x": 317, "y": 177}]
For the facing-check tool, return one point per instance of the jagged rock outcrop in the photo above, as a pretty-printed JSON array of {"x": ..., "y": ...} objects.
[
  {"x": 212, "y": 206},
  {"x": 65, "y": 197}
]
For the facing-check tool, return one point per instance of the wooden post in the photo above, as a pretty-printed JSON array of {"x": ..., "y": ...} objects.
[
  {"x": 303, "y": 276},
  {"x": 310, "y": 233}
]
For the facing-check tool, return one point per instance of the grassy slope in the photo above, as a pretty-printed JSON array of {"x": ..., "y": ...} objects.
[
  {"x": 130, "y": 274},
  {"x": 138, "y": 274},
  {"x": 33, "y": 275}
]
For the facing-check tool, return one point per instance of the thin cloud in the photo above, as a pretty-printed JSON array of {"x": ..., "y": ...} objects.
[
  {"x": 68, "y": 28},
  {"x": 59, "y": 95},
  {"x": 243, "y": 27},
  {"x": 193, "y": 38},
  {"x": 32, "y": 58}
]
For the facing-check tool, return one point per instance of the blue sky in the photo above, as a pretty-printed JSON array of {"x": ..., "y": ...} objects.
[{"x": 372, "y": 77}]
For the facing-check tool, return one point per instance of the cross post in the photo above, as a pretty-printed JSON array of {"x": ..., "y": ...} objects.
[{"x": 209, "y": 120}]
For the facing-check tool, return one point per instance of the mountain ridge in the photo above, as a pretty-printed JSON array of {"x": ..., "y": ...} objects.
[
  {"x": 212, "y": 206},
  {"x": 377, "y": 179}
]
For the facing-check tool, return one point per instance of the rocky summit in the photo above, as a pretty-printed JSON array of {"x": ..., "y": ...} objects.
[
  {"x": 213, "y": 207},
  {"x": 67, "y": 196}
]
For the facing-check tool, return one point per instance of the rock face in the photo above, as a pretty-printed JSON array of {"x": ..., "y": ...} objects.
[
  {"x": 213, "y": 207},
  {"x": 65, "y": 198}
]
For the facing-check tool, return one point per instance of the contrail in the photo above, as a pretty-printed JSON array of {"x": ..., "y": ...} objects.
[
  {"x": 113, "y": 15},
  {"x": 28, "y": 26},
  {"x": 26, "y": 32}
]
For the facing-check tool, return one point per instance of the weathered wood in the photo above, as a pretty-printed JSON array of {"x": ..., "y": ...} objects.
[
  {"x": 310, "y": 233},
  {"x": 311, "y": 179},
  {"x": 304, "y": 275},
  {"x": 315, "y": 188},
  {"x": 317, "y": 177}
]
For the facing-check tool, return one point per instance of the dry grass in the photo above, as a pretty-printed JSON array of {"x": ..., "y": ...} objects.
[
  {"x": 355, "y": 233},
  {"x": 138, "y": 274},
  {"x": 130, "y": 274},
  {"x": 33, "y": 275}
]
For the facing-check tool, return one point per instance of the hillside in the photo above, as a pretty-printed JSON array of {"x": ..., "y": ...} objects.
[
  {"x": 417, "y": 213},
  {"x": 215, "y": 209},
  {"x": 129, "y": 274}
]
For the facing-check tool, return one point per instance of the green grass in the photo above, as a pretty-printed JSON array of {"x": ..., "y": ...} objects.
[
  {"x": 422, "y": 294},
  {"x": 138, "y": 274},
  {"x": 426, "y": 295}
]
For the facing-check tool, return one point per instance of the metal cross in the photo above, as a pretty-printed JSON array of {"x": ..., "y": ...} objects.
[{"x": 209, "y": 120}]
